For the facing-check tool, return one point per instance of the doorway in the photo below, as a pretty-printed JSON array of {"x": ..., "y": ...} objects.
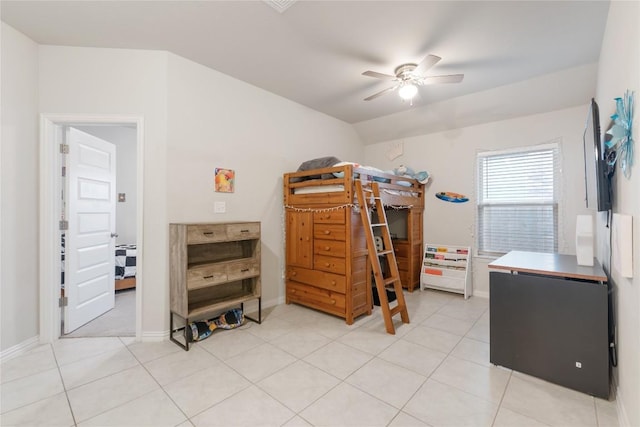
[
  {"x": 119, "y": 318},
  {"x": 127, "y": 133}
]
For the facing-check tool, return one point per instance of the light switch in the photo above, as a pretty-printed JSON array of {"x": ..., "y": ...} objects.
[{"x": 219, "y": 207}]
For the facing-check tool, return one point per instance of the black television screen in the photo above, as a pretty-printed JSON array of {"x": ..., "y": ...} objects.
[{"x": 596, "y": 169}]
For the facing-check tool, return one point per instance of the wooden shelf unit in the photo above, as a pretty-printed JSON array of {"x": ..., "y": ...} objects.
[
  {"x": 447, "y": 268},
  {"x": 409, "y": 251},
  {"x": 213, "y": 267}
]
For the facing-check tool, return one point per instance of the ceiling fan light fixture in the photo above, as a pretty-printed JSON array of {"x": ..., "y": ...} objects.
[{"x": 408, "y": 91}]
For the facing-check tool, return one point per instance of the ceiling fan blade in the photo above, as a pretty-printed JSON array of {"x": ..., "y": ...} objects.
[
  {"x": 382, "y": 92},
  {"x": 378, "y": 75},
  {"x": 452, "y": 78},
  {"x": 426, "y": 63}
]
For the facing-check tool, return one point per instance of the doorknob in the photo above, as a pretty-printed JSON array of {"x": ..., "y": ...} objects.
[{"x": 114, "y": 234}]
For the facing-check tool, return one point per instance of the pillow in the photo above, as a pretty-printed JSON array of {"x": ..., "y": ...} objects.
[
  {"x": 375, "y": 178},
  {"x": 341, "y": 174},
  {"x": 321, "y": 162},
  {"x": 423, "y": 177}
]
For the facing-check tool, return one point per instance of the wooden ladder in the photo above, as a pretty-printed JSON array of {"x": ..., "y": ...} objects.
[{"x": 370, "y": 198}]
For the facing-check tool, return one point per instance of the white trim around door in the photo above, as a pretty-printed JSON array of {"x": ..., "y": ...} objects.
[{"x": 51, "y": 206}]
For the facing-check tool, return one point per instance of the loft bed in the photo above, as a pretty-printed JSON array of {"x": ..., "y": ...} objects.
[
  {"x": 327, "y": 266},
  {"x": 336, "y": 185}
]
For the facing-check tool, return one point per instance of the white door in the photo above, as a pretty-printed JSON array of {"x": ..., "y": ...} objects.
[{"x": 90, "y": 241}]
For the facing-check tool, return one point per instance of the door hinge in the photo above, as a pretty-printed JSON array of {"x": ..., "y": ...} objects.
[
  {"x": 64, "y": 224},
  {"x": 64, "y": 148},
  {"x": 63, "y": 301},
  {"x": 64, "y": 171}
]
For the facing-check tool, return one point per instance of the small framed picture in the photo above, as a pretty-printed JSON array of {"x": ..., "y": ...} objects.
[{"x": 224, "y": 180}]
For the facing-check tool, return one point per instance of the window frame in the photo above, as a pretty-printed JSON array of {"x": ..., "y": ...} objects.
[{"x": 554, "y": 146}]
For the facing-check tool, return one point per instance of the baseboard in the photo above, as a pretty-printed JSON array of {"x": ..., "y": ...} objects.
[
  {"x": 155, "y": 336},
  {"x": 19, "y": 349},
  {"x": 273, "y": 302},
  {"x": 623, "y": 418},
  {"x": 481, "y": 294}
]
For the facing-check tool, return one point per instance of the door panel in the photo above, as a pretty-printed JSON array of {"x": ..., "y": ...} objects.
[{"x": 90, "y": 247}]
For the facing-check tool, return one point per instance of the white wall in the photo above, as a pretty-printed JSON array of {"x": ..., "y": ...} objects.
[
  {"x": 450, "y": 158},
  {"x": 619, "y": 70},
  {"x": 218, "y": 121},
  {"x": 122, "y": 82},
  {"x": 195, "y": 119},
  {"x": 19, "y": 189},
  {"x": 124, "y": 138}
]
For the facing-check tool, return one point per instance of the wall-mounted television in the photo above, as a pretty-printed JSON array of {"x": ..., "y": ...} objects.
[{"x": 597, "y": 172}]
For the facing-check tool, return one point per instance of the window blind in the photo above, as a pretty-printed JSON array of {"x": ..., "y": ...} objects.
[{"x": 517, "y": 198}]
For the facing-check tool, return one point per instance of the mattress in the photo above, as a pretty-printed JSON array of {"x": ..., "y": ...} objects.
[
  {"x": 337, "y": 188},
  {"x": 319, "y": 189}
]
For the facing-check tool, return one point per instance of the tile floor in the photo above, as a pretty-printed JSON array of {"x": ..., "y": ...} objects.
[{"x": 298, "y": 368}]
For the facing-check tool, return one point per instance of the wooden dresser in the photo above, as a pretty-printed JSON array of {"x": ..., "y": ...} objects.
[{"x": 327, "y": 265}]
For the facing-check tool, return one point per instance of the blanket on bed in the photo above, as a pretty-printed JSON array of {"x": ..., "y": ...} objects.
[
  {"x": 125, "y": 261},
  {"x": 319, "y": 163}
]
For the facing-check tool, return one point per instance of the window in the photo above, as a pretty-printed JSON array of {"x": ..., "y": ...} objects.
[{"x": 517, "y": 198}]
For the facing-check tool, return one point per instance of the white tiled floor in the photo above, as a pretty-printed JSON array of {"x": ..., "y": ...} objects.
[{"x": 298, "y": 368}]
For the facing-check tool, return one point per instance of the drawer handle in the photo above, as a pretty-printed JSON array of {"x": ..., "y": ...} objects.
[
  {"x": 244, "y": 231},
  {"x": 206, "y": 233},
  {"x": 326, "y": 264},
  {"x": 333, "y": 302},
  {"x": 327, "y": 231},
  {"x": 244, "y": 270},
  {"x": 333, "y": 282},
  {"x": 208, "y": 277},
  {"x": 293, "y": 291},
  {"x": 327, "y": 248}
]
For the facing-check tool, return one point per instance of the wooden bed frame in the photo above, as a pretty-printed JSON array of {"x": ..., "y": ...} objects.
[
  {"x": 126, "y": 283},
  {"x": 327, "y": 266},
  {"x": 348, "y": 181}
]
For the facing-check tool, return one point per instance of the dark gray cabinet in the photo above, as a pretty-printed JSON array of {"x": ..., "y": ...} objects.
[{"x": 550, "y": 325}]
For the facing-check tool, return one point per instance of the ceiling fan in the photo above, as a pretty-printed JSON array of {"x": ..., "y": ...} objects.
[{"x": 409, "y": 76}]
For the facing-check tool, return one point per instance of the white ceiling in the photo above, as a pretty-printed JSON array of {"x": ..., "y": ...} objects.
[{"x": 314, "y": 52}]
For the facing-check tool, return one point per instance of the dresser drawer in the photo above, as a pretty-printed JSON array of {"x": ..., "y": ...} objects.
[
  {"x": 330, "y": 264},
  {"x": 206, "y": 233},
  {"x": 321, "y": 279},
  {"x": 206, "y": 275},
  {"x": 330, "y": 217},
  {"x": 242, "y": 270},
  {"x": 243, "y": 231},
  {"x": 329, "y": 247},
  {"x": 329, "y": 232},
  {"x": 312, "y": 296}
]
